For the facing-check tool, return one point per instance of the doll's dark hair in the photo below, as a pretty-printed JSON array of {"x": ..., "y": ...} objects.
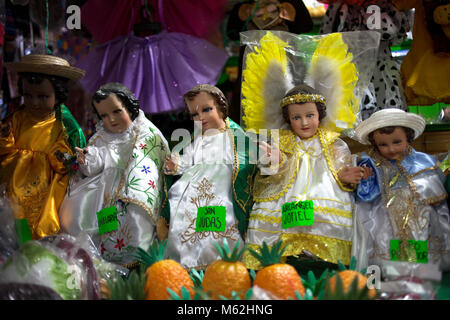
[
  {"x": 216, "y": 93},
  {"x": 124, "y": 94},
  {"x": 59, "y": 84},
  {"x": 304, "y": 89},
  {"x": 388, "y": 130}
]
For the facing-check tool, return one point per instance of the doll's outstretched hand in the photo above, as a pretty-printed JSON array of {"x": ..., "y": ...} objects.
[
  {"x": 81, "y": 158},
  {"x": 351, "y": 175},
  {"x": 169, "y": 165},
  {"x": 367, "y": 172},
  {"x": 271, "y": 152}
]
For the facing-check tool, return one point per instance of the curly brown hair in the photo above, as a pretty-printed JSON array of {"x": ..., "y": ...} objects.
[
  {"x": 218, "y": 96},
  {"x": 388, "y": 130},
  {"x": 303, "y": 89}
]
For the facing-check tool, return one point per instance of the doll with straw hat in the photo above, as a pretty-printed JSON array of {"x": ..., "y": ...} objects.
[
  {"x": 34, "y": 138},
  {"x": 401, "y": 199}
]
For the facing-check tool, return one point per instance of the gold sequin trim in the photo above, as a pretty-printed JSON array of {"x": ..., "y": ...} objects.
[
  {"x": 302, "y": 98},
  {"x": 327, "y": 249},
  {"x": 424, "y": 170}
]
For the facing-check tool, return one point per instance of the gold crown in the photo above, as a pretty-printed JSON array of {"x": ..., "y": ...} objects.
[{"x": 302, "y": 98}]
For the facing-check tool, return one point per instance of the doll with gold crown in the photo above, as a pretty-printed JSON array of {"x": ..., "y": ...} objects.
[
  {"x": 34, "y": 138},
  {"x": 308, "y": 163}
]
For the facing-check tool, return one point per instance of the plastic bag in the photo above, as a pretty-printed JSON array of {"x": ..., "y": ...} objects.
[
  {"x": 338, "y": 65},
  {"x": 8, "y": 237},
  {"x": 70, "y": 266}
]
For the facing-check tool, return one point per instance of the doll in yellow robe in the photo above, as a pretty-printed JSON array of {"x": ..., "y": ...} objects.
[{"x": 34, "y": 138}]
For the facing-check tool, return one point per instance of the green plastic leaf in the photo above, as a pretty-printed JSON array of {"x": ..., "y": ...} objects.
[
  {"x": 252, "y": 274},
  {"x": 352, "y": 264},
  {"x": 197, "y": 277},
  {"x": 341, "y": 266},
  {"x": 249, "y": 294}
]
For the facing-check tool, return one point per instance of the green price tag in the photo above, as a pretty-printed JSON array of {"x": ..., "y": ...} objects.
[
  {"x": 297, "y": 213},
  {"x": 414, "y": 251},
  {"x": 211, "y": 218},
  {"x": 107, "y": 220},
  {"x": 22, "y": 230}
]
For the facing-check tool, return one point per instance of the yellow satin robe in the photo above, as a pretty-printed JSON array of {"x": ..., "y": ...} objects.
[{"x": 35, "y": 180}]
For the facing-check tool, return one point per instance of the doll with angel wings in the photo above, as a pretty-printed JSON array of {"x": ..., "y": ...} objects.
[{"x": 307, "y": 87}]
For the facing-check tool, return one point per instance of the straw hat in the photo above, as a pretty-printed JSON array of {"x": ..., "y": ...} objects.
[
  {"x": 387, "y": 118},
  {"x": 46, "y": 64}
]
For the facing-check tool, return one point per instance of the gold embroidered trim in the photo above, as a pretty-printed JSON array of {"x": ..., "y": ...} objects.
[
  {"x": 285, "y": 189},
  {"x": 198, "y": 268},
  {"x": 235, "y": 167},
  {"x": 335, "y": 211},
  {"x": 327, "y": 249},
  {"x": 434, "y": 200},
  {"x": 131, "y": 265},
  {"x": 264, "y": 218},
  {"x": 322, "y": 209},
  {"x": 278, "y": 220},
  {"x": 142, "y": 205},
  {"x": 424, "y": 170},
  {"x": 204, "y": 196},
  {"x": 287, "y": 141}
]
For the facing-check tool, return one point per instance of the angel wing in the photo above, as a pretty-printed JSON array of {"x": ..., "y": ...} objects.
[
  {"x": 265, "y": 81},
  {"x": 333, "y": 74}
]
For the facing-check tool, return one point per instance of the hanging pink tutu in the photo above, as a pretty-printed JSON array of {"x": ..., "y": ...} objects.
[
  {"x": 158, "y": 69},
  {"x": 199, "y": 18}
]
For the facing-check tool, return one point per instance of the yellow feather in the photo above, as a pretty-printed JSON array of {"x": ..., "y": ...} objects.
[
  {"x": 256, "y": 65},
  {"x": 342, "y": 106}
]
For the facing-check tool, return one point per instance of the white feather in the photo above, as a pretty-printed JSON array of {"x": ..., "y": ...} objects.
[
  {"x": 275, "y": 85},
  {"x": 325, "y": 78}
]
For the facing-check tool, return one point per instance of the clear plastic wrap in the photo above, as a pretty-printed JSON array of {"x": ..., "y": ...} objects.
[
  {"x": 8, "y": 237},
  {"x": 308, "y": 59},
  {"x": 67, "y": 265}
]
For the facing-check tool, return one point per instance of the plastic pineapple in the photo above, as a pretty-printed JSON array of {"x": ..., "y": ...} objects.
[
  {"x": 348, "y": 285},
  {"x": 279, "y": 279},
  {"x": 227, "y": 278},
  {"x": 163, "y": 274}
]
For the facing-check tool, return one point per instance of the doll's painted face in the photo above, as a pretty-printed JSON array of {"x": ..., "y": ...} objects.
[
  {"x": 392, "y": 146},
  {"x": 39, "y": 99},
  {"x": 113, "y": 114},
  {"x": 304, "y": 119},
  {"x": 203, "y": 108}
]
